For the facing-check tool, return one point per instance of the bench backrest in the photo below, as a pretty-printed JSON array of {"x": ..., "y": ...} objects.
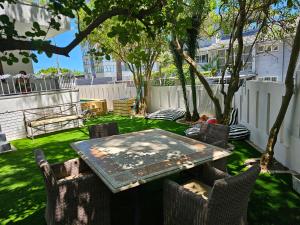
[{"x": 50, "y": 112}]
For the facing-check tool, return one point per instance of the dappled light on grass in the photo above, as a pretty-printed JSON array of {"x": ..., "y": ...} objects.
[
  {"x": 272, "y": 202},
  {"x": 23, "y": 196}
]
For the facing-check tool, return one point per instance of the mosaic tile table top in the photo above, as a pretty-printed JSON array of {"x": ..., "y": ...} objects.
[{"x": 129, "y": 160}]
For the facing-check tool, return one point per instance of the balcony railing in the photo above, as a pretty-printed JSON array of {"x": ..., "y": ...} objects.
[{"x": 25, "y": 84}]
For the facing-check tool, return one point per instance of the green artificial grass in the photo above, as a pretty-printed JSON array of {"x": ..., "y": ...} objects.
[{"x": 22, "y": 194}]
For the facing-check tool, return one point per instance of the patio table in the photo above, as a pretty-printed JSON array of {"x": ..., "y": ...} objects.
[{"x": 129, "y": 160}]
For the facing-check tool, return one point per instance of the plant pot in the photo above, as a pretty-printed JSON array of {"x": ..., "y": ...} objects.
[{"x": 296, "y": 183}]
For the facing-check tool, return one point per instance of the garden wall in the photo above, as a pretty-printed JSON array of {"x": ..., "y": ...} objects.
[
  {"x": 12, "y": 107},
  {"x": 258, "y": 103}
]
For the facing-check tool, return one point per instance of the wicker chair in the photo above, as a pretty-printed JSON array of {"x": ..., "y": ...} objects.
[
  {"x": 214, "y": 134},
  {"x": 74, "y": 194},
  {"x": 217, "y": 135},
  {"x": 103, "y": 130},
  {"x": 226, "y": 203}
]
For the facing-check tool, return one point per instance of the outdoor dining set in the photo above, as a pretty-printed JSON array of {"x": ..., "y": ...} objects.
[{"x": 148, "y": 177}]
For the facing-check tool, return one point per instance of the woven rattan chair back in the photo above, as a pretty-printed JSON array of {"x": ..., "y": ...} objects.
[
  {"x": 103, "y": 130},
  {"x": 229, "y": 197}
]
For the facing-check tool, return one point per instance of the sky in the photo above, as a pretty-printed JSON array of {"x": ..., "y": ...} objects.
[{"x": 74, "y": 62}]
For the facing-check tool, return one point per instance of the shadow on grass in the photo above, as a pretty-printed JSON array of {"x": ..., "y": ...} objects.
[{"x": 22, "y": 193}]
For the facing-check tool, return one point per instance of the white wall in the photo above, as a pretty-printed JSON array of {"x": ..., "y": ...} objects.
[
  {"x": 162, "y": 97},
  {"x": 258, "y": 103},
  {"x": 106, "y": 91},
  {"x": 11, "y": 114}
]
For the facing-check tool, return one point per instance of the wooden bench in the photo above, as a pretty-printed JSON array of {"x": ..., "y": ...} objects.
[{"x": 49, "y": 119}]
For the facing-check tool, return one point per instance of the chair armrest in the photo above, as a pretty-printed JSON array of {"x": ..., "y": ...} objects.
[
  {"x": 182, "y": 207},
  {"x": 72, "y": 167},
  {"x": 220, "y": 143},
  {"x": 85, "y": 178},
  {"x": 210, "y": 174}
]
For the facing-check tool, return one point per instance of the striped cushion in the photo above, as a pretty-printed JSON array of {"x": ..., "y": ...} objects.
[
  {"x": 192, "y": 131},
  {"x": 233, "y": 117},
  {"x": 238, "y": 132},
  {"x": 168, "y": 114}
]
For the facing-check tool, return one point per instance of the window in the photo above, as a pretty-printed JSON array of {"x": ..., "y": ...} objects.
[
  {"x": 275, "y": 48},
  {"x": 221, "y": 53},
  {"x": 268, "y": 48},
  {"x": 261, "y": 49},
  {"x": 203, "y": 58}
]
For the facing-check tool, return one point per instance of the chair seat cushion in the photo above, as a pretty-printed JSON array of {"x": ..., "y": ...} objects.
[
  {"x": 198, "y": 188},
  {"x": 37, "y": 123},
  {"x": 238, "y": 132}
]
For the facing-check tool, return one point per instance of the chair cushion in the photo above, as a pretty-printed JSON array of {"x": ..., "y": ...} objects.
[
  {"x": 192, "y": 131},
  {"x": 53, "y": 120},
  {"x": 168, "y": 114},
  {"x": 238, "y": 132},
  {"x": 198, "y": 188},
  {"x": 233, "y": 117}
]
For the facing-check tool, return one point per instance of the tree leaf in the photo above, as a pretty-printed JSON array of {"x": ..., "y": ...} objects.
[
  {"x": 36, "y": 26},
  {"x": 25, "y": 60},
  {"x": 290, "y": 3}
]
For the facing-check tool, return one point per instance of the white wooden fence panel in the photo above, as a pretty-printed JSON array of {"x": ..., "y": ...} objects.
[{"x": 259, "y": 103}]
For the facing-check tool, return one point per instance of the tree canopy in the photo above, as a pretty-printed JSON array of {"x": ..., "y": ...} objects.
[{"x": 145, "y": 11}]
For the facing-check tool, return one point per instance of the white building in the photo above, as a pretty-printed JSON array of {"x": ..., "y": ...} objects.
[
  {"x": 268, "y": 59},
  {"x": 103, "y": 68},
  {"x": 25, "y": 14}
]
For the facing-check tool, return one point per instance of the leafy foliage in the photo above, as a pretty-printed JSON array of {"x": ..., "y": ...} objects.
[
  {"x": 128, "y": 42},
  {"x": 54, "y": 70},
  {"x": 96, "y": 13}
]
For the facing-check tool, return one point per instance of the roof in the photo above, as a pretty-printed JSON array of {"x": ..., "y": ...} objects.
[{"x": 220, "y": 43}]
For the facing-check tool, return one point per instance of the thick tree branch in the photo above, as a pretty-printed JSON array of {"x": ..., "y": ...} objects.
[
  {"x": 202, "y": 79},
  {"x": 13, "y": 44}
]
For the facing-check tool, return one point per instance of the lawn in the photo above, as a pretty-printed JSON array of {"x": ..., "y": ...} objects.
[{"x": 22, "y": 194}]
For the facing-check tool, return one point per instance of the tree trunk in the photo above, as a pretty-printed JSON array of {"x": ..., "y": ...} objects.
[
  {"x": 1, "y": 68},
  {"x": 119, "y": 69},
  {"x": 190, "y": 61},
  {"x": 192, "y": 45},
  {"x": 146, "y": 97},
  {"x": 267, "y": 157},
  {"x": 178, "y": 63}
]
